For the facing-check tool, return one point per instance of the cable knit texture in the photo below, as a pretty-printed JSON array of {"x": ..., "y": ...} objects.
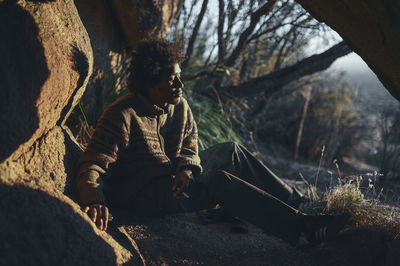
[{"x": 135, "y": 142}]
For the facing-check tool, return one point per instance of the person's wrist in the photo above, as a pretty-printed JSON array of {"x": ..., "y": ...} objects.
[{"x": 186, "y": 169}]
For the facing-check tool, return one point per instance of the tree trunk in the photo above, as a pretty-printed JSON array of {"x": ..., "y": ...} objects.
[
  {"x": 303, "y": 118},
  {"x": 277, "y": 79},
  {"x": 221, "y": 39},
  {"x": 195, "y": 32}
]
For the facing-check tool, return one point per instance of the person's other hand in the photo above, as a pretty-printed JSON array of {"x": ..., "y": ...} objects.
[
  {"x": 98, "y": 213},
  {"x": 180, "y": 181}
]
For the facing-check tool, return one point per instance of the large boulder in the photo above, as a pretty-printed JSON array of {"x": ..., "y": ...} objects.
[
  {"x": 46, "y": 61},
  {"x": 53, "y": 159},
  {"x": 41, "y": 226}
]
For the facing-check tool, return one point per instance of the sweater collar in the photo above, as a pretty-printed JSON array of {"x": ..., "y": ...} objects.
[{"x": 152, "y": 108}]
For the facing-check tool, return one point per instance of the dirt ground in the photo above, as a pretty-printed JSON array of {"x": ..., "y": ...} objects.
[{"x": 181, "y": 240}]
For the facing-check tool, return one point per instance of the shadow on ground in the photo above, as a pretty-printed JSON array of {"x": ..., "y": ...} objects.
[{"x": 180, "y": 240}]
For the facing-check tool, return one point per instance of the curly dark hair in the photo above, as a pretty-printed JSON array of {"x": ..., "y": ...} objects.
[{"x": 152, "y": 58}]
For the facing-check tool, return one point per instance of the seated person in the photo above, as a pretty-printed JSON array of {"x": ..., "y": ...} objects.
[{"x": 143, "y": 157}]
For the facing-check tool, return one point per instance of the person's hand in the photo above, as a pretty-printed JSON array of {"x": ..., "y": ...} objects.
[
  {"x": 180, "y": 181},
  {"x": 98, "y": 213}
]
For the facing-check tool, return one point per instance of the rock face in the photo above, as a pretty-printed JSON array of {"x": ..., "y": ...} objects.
[
  {"x": 372, "y": 30},
  {"x": 103, "y": 28},
  {"x": 46, "y": 61},
  {"x": 52, "y": 159},
  {"x": 141, "y": 18},
  {"x": 41, "y": 226}
]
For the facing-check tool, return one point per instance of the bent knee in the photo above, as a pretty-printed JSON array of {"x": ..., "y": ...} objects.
[
  {"x": 221, "y": 176},
  {"x": 229, "y": 146}
]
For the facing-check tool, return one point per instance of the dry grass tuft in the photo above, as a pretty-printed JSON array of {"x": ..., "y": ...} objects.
[
  {"x": 368, "y": 212},
  {"x": 362, "y": 203}
]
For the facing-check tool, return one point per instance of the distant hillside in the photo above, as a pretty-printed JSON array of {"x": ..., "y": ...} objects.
[{"x": 372, "y": 96}]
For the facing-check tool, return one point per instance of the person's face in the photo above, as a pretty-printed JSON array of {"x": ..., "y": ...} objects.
[{"x": 169, "y": 89}]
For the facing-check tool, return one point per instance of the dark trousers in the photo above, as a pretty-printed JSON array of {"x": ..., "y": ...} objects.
[{"x": 233, "y": 178}]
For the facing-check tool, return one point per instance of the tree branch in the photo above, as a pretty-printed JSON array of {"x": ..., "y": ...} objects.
[
  {"x": 221, "y": 40},
  {"x": 187, "y": 17},
  {"x": 195, "y": 32},
  {"x": 207, "y": 74},
  {"x": 274, "y": 81},
  {"x": 254, "y": 19}
]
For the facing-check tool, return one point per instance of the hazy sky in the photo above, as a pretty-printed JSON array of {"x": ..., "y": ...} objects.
[
  {"x": 358, "y": 73},
  {"x": 352, "y": 63}
]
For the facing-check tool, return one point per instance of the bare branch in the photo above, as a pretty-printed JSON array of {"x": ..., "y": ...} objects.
[
  {"x": 249, "y": 61},
  {"x": 254, "y": 19},
  {"x": 278, "y": 61},
  {"x": 232, "y": 13},
  {"x": 187, "y": 17},
  {"x": 290, "y": 50},
  {"x": 273, "y": 15},
  {"x": 209, "y": 56},
  {"x": 284, "y": 50},
  {"x": 195, "y": 32},
  {"x": 232, "y": 19},
  {"x": 205, "y": 73},
  {"x": 273, "y": 29},
  {"x": 293, "y": 22},
  {"x": 221, "y": 40}
]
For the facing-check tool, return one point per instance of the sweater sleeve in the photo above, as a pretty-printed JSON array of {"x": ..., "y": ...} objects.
[
  {"x": 109, "y": 138},
  {"x": 189, "y": 155}
]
